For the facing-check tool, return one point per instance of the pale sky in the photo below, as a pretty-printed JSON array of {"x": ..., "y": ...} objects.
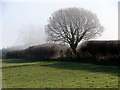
[{"x": 16, "y": 17}]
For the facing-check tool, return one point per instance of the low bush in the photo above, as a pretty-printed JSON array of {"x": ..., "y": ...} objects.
[
  {"x": 90, "y": 51},
  {"x": 104, "y": 51},
  {"x": 100, "y": 48},
  {"x": 45, "y": 51}
]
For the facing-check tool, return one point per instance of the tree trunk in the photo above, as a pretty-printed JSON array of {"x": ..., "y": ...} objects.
[
  {"x": 73, "y": 47},
  {"x": 76, "y": 53}
]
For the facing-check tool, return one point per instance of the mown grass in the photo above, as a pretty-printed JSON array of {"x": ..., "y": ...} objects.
[{"x": 20, "y": 73}]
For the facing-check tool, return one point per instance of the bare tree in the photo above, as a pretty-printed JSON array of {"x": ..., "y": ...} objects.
[{"x": 71, "y": 25}]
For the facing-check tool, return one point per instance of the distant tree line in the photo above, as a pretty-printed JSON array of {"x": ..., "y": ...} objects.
[
  {"x": 108, "y": 51},
  {"x": 4, "y": 51},
  {"x": 45, "y": 51}
]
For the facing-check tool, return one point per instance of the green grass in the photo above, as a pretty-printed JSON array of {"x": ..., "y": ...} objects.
[{"x": 19, "y": 73}]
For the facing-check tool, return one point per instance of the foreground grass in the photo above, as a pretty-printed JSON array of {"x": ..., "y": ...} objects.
[{"x": 18, "y": 73}]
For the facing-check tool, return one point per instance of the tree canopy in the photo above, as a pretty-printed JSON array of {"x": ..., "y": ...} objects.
[{"x": 71, "y": 25}]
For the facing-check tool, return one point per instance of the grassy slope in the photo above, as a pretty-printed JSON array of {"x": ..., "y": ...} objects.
[{"x": 18, "y": 73}]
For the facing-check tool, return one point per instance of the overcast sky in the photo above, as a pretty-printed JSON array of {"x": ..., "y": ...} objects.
[{"x": 19, "y": 17}]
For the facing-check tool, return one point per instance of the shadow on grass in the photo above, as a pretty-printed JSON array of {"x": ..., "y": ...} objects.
[
  {"x": 85, "y": 66},
  {"x": 18, "y": 60},
  {"x": 66, "y": 65},
  {"x": 17, "y": 66}
]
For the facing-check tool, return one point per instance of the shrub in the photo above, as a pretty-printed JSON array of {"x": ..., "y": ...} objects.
[
  {"x": 100, "y": 49},
  {"x": 45, "y": 51}
]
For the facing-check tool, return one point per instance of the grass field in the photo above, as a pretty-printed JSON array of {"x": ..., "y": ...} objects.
[{"x": 19, "y": 73}]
